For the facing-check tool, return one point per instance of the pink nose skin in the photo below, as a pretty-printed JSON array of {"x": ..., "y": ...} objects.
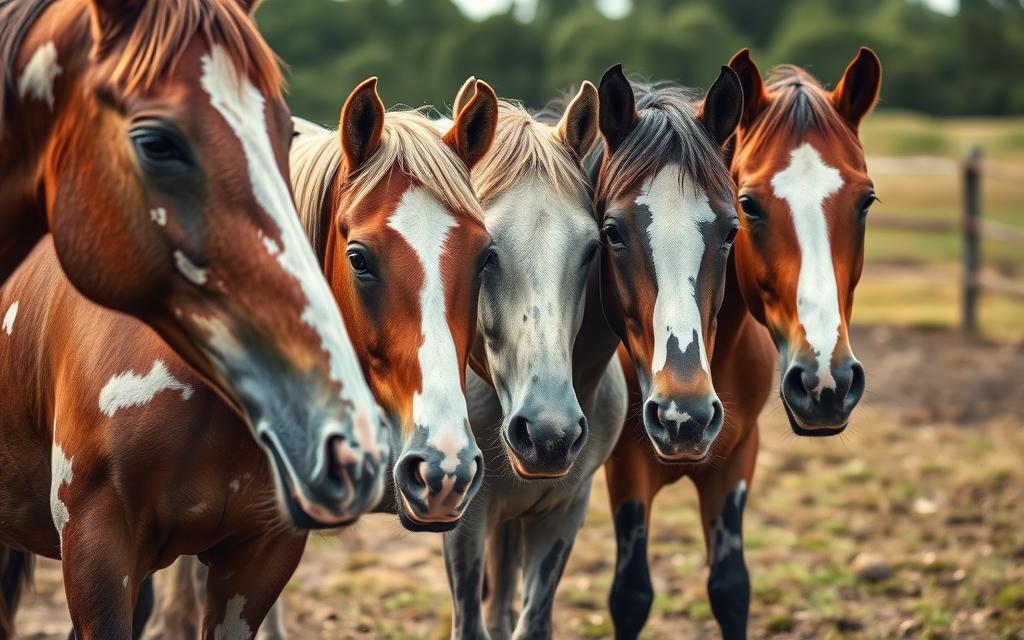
[{"x": 430, "y": 495}]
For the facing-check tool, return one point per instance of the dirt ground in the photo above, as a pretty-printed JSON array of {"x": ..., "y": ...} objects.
[{"x": 909, "y": 525}]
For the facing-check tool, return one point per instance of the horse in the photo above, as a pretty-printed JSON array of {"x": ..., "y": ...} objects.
[
  {"x": 141, "y": 459},
  {"x": 665, "y": 134},
  {"x": 150, "y": 138},
  {"x": 804, "y": 192}
]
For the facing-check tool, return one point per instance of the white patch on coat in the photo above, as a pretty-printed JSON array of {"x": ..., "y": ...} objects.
[
  {"x": 40, "y": 72},
  {"x": 158, "y": 215},
  {"x": 242, "y": 107},
  {"x": 234, "y": 626},
  {"x": 61, "y": 474},
  {"x": 677, "y": 248},
  {"x": 439, "y": 405},
  {"x": 804, "y": 185},
  {"x": 235, "y": 485},
  {"x": 129, "y": 389},
  {"x": 556, "y": 232},
  {"x": 124, "y": 582},
  {"x": 725, "y": 541},
  {"x": 195, "y": 275},
  {"x": 9, "y": 318}
]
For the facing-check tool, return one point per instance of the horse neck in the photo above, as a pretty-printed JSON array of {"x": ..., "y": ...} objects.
[{"x": 595, "y": 343}]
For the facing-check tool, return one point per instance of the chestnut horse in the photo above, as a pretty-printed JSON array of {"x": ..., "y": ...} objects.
[
  {"x": 660, "y": 172},
  {"x": 150, "y": 137},
  {"x": 804, "y": 192},
  {"x": 140, "y": 459}
]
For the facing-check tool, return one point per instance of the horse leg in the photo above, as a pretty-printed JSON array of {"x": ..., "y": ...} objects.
[
  {"x": 504, "y": 559},
  {"x": 15, "y": 573},
  {"x": 464, "y": 562},
  {"x": 177, "y": 612},
  {"x": 632, "y": 485},
  {"x": 102, "y": 570},
  {"x": 723, "y": 495},
  {"x": 245, "y": 578},
  {"x": 548, "y": 541}
]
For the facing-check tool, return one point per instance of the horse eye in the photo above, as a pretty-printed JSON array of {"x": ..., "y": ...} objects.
[
  {"x": 865, "y": 206},
  {"x": 360, "y": 265},
  {"x": 612, "y": 235},
  {"x": 158, "y": 148},
  {"x": 490, "y": 260},
  {"x": 751, "y": 209},
  {"x": 731, "y": 236}
]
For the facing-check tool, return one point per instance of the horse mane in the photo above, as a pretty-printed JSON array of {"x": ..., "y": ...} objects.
[
  {"x": 409, "y": 139},
  {"x": 798, "y": 104},
  {"x": 524, "y": 146},
  {"x": 16, "y": 18},
  {"x": 149, "y": 44},
  {"x": 667, "y": 131}
]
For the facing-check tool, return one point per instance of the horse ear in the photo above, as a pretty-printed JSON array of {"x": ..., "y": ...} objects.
[
  {"x": 578, "y": 126},
  {"x": 722, "y": 107},
  {"x": 755, "y": 99},
  {"x": 362, "y": 123},
  {"x": 108, "y": 15},
  {"x": 858, "y": 90},
  {"x": 250, "y": 6},
  {"x": 618, "y": 107},
  {"x": 473, "y": 131},
  {"x": 465, "y": 94}
]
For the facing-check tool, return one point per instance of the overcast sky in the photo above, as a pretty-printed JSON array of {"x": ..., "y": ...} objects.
[{"x": 483, "y": 8}]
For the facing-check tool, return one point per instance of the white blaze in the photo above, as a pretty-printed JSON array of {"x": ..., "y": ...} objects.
[
  {"x": 129, "y": 389},
  {"x": 9, "y": 317},
  {"x": 242, "y": 106},
  {"x": 61, "y": 474},
  {"x": 677, "y": 249},
  {"x": 40, "y": 72},
  {"x": 439, "y": 405},
  {"x": 804, "y": 185}
]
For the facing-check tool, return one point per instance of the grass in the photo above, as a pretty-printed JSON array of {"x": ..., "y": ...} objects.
[{"x": 926, "y": 291}]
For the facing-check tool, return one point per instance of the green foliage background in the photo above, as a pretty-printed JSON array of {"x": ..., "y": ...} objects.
[{"x": 971, "y": 63}]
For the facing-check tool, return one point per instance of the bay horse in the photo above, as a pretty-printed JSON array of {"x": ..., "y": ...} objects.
[
  {"x": 665, "y": 133},
  {"x": 118, "y": 459},
  {"x": 804, "y": 192},
  {"x": 150, "y": 138}
]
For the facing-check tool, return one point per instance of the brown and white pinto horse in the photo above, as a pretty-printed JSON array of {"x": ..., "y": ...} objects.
[
  {"x": 142, "y": 462},
  {"x": 151, "y": 138},
  {"x": 804, "y": 192}
]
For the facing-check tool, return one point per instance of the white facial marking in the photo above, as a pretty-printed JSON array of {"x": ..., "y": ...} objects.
[
  {"x": 158, "y": 215},
  {"x": 9, "y": 318},
  {"x": 673, "y": 414},
  {"x": 234, "y": 626},
  {"x": 804, "y": 185},
  {"x": 192, "y": 273},
  {"x": 726, "y": 541},
  {"x": 439, "y": 405},
  {"x": 242, "y": 106},
  {"x": 677, "y": 249},
  {"x": 40, "y": 72},
  {"x": 61, "y": 473},
  {"x": 129, "y": 389}
]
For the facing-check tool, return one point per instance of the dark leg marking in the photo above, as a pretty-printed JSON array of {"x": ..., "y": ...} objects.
[
  {"x": 632, "y": 592},
  {"x": 729, "y": 581}
]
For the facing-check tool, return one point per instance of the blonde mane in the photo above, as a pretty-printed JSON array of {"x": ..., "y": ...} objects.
[
  {"x": 409, "y": 140},
  {"x": 524, "y": 147}
]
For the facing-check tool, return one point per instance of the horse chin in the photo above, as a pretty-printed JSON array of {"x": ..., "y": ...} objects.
[
  {"x": 802, "y": 429},
  {"x": 416, "y": 526},
  {"x": 300, "y": 516}
]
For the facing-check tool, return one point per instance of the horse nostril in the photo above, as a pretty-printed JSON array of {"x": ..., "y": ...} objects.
[
  {"x": 652, "y": 415},
  {"x": 717, "y": 415},
  {"x": 339, "y": 455},
  {"x": 857, "y": 385},
  {"x": 519, "y": 435},
  {"x": 796, "y": 386},
  {"x": 412, "y": 473},
  {"x": 580, "y": 436}
]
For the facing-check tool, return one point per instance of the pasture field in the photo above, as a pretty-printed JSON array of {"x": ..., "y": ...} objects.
[
  {"x": 906, "y": 526},
  {"x": 913, "y": 279}
]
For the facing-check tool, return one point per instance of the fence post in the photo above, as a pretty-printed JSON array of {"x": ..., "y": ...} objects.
[{"x": 972, "y": 245}]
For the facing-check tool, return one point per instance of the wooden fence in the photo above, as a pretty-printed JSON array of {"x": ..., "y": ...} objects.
[{"x": 972, "y": 226}]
